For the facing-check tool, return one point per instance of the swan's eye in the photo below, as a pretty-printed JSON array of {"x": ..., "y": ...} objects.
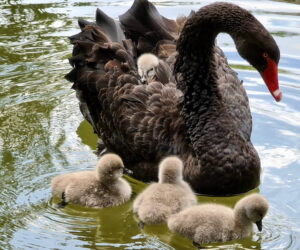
[{"x": 265, "y": 55}]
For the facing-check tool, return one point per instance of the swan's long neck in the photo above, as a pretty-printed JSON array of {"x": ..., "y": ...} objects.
[
  {"x": 195, "y": 60},
  {"x": 196, "y": 66}
]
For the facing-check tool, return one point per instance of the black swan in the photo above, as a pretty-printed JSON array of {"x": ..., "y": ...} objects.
[{"x": 203, "y": 117}]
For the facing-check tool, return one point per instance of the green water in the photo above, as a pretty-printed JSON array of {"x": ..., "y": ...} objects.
[{"x": 43, "y": 134}]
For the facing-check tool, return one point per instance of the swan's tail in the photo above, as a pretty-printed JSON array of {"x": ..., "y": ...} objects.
[{"x": 143, "y": 24}]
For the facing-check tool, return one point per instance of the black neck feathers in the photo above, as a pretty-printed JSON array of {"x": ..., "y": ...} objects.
[
  {"x": 202, "y": 109},
  {"x": 195, "y": 62}
]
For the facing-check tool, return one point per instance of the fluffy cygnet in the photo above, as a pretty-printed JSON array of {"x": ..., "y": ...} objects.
[
  {"x": 170, "y": 195},
  {"x": 101, "y": 188},
  {"x": 150, "y": 68},
  {"x": 216, "y": 223}
]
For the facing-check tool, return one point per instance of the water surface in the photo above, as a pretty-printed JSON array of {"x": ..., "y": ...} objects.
[{"x": 43, "y": 134}]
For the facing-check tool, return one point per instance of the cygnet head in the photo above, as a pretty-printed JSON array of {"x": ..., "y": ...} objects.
[
  {"x": 255, "y": 207},
  {"x": 110, "y": 167},
  {"x": 170, "y": 170},
  {"x": 146, "y": 64}
]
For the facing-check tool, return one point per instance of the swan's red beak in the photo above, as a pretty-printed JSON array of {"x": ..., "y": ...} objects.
[{"x": 270, "y": 76}]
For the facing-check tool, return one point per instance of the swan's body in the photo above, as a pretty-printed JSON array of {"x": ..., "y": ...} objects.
[
  {"x": 101, "y": 188},
  {"x": 171, "y": 195},
  {"x": 216, "y": 223},
  {"x": 204, "y": 118}
]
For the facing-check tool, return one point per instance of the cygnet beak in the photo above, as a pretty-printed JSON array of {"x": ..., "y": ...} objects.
[
  {"x": 143, "y": 79},
  {"x": 259, "y": 225}
]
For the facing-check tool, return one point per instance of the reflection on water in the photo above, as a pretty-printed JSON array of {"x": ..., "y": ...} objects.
[{"x": 42, "y": 132}]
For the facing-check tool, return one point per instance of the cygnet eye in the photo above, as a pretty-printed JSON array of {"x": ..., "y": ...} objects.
[{"x": 150, "y": 72}]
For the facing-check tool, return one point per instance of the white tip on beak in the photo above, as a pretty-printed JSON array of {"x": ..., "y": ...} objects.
[{"x": 277, "y": 94}]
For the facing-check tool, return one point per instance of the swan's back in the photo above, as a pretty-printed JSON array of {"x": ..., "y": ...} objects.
[
  {"x": 128, "y": 116},
  {"x": 161, "y": 35}
]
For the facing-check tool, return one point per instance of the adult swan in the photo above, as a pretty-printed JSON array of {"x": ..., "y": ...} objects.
[{"x": 204, "y": 118}]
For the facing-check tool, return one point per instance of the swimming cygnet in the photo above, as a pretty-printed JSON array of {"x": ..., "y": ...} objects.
[
  {"x": 217, "y": 223},
  {"x": 170, "y": 195},
  {"x": 101, "y": 188},
  {"x": 151, "y": 68}
]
